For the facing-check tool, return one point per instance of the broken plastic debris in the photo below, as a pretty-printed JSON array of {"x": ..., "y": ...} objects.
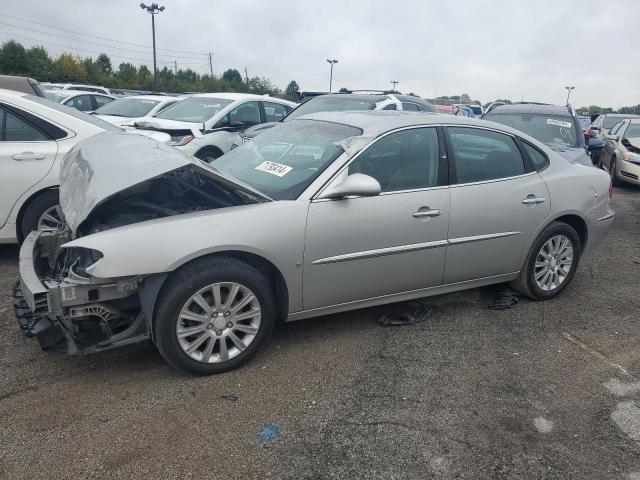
[
  {"x": 507, "y": 297},
  {"x": 231, "y": 398},
  {"x": 406, "y": 314}
]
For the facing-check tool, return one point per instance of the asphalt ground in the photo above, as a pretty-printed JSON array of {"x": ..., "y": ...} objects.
[{"x": 542, "y": 390}]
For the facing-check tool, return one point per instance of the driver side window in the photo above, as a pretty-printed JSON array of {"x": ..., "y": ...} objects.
[
  {"x": 248, "y": 113},
  {"x": 403, "y": 160}
]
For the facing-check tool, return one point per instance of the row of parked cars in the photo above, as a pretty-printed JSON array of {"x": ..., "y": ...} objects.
[{"x": 345, "y": 201}]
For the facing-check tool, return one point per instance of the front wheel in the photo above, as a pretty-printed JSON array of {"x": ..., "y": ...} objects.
[
  {"x": 213, "y": 315},
  {"x": 551, "y": 263}
]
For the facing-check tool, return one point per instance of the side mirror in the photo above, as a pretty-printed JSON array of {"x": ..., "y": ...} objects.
[
  {"x": 615, "y": 138},
  {"x": 355, "y": 185},
  {"x": 597, "y": 129},
  {"x": 595, "y": 144}
]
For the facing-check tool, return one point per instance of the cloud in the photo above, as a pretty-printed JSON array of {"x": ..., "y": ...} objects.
[{"x": 486, "y": 48}]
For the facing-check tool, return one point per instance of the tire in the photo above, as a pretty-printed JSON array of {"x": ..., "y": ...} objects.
[
  {"x": 35, "y": 210},
  {"x": 526, "y": 282},
  {"x": 176, "y": 300},
  {"x": 208, "y": 154},
  {"x": 612, "y": 172}
]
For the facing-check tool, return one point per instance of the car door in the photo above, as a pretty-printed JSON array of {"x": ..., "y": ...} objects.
[
  {"x": 26, "y": 156},
  {"x": 274, "y": 112},
  {"x": 364, "y": 247},
  {"x": 498, "y": 202}
]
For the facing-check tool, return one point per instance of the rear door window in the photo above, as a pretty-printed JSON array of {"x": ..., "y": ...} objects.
[
  {"x": 410, "y": 106},
  {"x": 81, "y": 102},
  {"x": 15, "y": 129},
  {"x": 481, "y": 155},
  {"x": 274, "y": 112}
]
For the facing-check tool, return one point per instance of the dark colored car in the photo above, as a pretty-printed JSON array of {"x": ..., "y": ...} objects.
[
  {"x": 556, "y": 126},
  {"x": 347, "y": 101},
  {"x": 600, "y": 128}
]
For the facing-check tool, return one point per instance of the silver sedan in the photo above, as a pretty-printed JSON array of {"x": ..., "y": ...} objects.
[{"x": 323, "y": 214}]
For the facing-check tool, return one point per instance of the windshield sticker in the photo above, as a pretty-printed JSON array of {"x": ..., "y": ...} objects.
[
  {"x": 559, "y": 123},
  {"x": 274, "y": 168}
]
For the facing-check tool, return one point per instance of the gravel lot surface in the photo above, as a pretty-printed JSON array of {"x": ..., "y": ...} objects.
[{"x": 543, "y": 390}]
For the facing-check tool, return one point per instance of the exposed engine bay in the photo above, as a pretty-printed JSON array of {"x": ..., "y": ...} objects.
[{"x": 186, "y": 189}]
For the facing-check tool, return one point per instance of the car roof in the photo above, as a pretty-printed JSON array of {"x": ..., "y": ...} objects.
[
  {"x": 12, "y": 93},
  {"x": 238, "y": 96},
  {"x": 159, "y": 98},
  {"x": 532, "y": 108},
  {"x": 621, "y": 115},
  {"x": 377, "y": 122},
  {"x": 356, "y": 96},
  {"x": 70, "y": 93}
]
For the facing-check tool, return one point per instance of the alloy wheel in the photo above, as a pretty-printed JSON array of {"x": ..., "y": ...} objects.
[
  {"x": 51, "y": 218},
  {"x": 218, "y": 322},
  {"x": 553, "y": 263}
]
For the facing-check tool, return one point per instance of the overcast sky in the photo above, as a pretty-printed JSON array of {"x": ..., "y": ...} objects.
[{"x": 487, "y": 48}]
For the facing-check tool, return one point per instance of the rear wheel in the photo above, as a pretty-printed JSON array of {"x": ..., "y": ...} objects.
[
  {"x": 213, "y": 315},
  {"x": 42, "y": 213},
  {"x": 551, "y": 263},
  {"x": 612, "y": 171}
]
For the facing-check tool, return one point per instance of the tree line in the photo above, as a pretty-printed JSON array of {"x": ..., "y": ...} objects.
[{"x": 36, "y": 63}]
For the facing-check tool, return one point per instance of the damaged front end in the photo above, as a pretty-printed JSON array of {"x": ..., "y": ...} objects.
[{"x": 66, "y": 310}]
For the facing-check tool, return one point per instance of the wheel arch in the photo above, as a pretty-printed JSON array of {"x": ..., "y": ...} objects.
[
  {"x": 25, "y": 205},
  {"x": 578, "y": 223},
  {"x": 155, "y": 283},
  {"x": 209, "y": 148}
]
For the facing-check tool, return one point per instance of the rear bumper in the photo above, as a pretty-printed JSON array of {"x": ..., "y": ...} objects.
[
  {"x": 599, "y": 230},
  {"x": 70, "y": 317}
]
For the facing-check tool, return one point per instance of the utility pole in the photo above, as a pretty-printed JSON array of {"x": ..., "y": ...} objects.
[
  {"x": 210, "y": 65},
  {"x": 394, "y": 83},
  {"x": 332, "y": 62},
  {"x": 246, "y": 76},
  {"x": 175, "y": 66},
  {"x": 153, "y": 9},
  {"x": 569, "y": 93}
]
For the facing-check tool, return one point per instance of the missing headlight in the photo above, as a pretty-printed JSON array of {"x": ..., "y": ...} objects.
[{"x": 76, "y": 260}]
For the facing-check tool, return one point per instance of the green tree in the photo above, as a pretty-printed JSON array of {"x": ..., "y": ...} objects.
[
  {"x": 13, "y": 59},
  {"x": 292, "y": 89},
  {"x": 145, "y": 78},
  {"x": 68, "y": 68},
  {"x": 232, "y": 76},
  {"x": 103, "y": 62},
  {"x": 127, "y": 75},
  {"x": 39, "y": 64}
]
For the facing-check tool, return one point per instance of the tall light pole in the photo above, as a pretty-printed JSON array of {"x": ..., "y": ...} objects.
[
  {"x": 153, "y": 9},
  {"x": 569, "y": 93},
  {"x": 394, "y": 83},
  {"x": 332, "y": 62}
]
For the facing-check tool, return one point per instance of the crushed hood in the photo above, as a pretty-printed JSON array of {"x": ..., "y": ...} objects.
[{"x": 107, "y": 164}]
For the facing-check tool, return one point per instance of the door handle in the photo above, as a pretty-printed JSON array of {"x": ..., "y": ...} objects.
[
  {"x": 533, "y": 200},
  {"x": 28, "y": 156},
  {"x": 427, "y": 213}
]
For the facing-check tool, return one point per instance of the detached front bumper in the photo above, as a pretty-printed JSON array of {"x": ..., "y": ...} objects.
[{"x": 73, "y": 316}]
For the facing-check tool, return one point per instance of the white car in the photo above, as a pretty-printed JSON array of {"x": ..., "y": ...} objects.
[
  {"x": 125, "y": 111},
  {"x": 83, "y": 101},
  {"x": 76, "y": 86},
  {"x": 35, "y": 134},
  {"x": 206, "y": 125}
]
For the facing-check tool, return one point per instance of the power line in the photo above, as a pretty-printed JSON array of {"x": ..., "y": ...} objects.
[
  {"x": 84, "y": 41},
  {"x": 10, "y": 35},
  {"x": 96, "y": 36}
]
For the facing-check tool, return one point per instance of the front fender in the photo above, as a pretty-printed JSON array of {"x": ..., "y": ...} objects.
[{"x": 274, "y": 231}]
